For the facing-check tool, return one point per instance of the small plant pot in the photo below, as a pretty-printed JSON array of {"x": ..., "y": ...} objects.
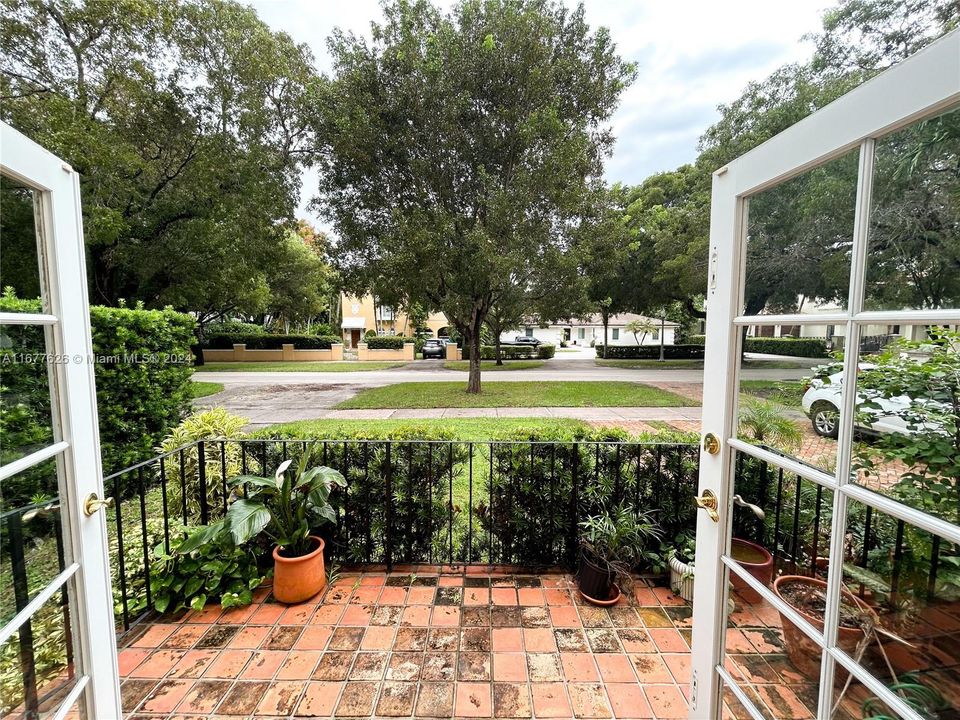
[
  {"x": 593, "y": 579},
  {"x": 612, "y": 600},
  {"x": 296, "y": 579},
  {"x": 681, "y": 578},
  {"x": 802, "y": 651},
  {"x": 757, "y": 561}
]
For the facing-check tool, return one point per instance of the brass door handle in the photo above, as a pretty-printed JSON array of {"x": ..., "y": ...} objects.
[
  {"x": 708, "y": 502},
  {"x": 92, "y": 503}
]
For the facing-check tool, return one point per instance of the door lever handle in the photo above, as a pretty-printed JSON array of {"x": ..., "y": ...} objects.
[
  {"x": 761, "y": 515},
  {"x": 708, "y": 502},
  {"x": 92, "y": 503}
]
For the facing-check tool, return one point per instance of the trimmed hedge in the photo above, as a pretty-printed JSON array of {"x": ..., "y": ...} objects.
[
  {"x": 651, "y": 352},
  {"x": 795, "y": 347},
  {"x": 514, "y": 352},
  {"x": 233, "y": 328},
  {"x": 386, "y": 342},
  {"x": 271, "y": 342},
  {"x": 143, "y": 388}
]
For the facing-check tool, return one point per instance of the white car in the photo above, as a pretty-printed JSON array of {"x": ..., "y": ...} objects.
[{"x": 821, "y": 403}]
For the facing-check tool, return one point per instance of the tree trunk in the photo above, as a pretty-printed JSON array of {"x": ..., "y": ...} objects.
[
  {"x": 496, "y": 348},
  {"x": 472, "y": 337},
  {"x": 606, "y": 318}
]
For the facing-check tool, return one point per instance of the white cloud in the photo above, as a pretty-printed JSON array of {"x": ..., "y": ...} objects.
[{"x": 692, "y": 55}]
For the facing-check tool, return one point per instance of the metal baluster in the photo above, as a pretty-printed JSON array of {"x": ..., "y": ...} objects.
[
  {"x": 450, "y": 503},
  {"x": 574, "y": 504},
  {"x": 934, "y": 566},
  {"x": 897, "y": 560},
  {"x": 409, "y": 501},
  {"x": 21, "y": 599},
  {"x": 223, "y": 472},
  {"x": 816, "y": 532},
  {"x": 388, "y": 540},
  {"x": 183, "y": 490},
  {"x": 121, "y": 564},
  {"x": 430, "y": 501},
  {"x": 779, "y": 508},
  {"x": 490, "y": 509},
  {"x": 143, "y": 534},
  {"x": 866, "y": 537},
  {"x": 166, "y": 509},
  {"x": 202, "y": 472},
  {"x": 794, "y": 551}
]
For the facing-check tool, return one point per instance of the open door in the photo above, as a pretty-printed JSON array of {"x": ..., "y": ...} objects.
[
  {"x": 56, "y": 617},
  {"x": 827, "y": 576}
]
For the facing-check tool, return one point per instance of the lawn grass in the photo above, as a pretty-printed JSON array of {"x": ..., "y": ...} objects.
[
  {"x": 515, "y": 394},
  {"x": 698, "y": 364},
  {"x": 492, "y": 365},
  {"x": 783, "y": 392},
  {"x": 202, "y": 389},
  {"x": 468, "y": 429},
  {"x": 320, "y": 366}
]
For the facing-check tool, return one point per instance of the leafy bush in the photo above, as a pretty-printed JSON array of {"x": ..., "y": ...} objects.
[
  {"x": 370, "y": 333},
  {"x": 545, "y": 352},
  {"x": 215, "y": 568},
  {"x": 182, "y": 471},
  {"x": 386, "y": 342},
  {"x": 650, "y": 352},
  {"x": 143, "y": 387},
  {"x": 271, "y": 342},
  {"x": 507, "y": 352},
  {"x": 795, "y": 347},
  {"x": 229, "y": 328}
]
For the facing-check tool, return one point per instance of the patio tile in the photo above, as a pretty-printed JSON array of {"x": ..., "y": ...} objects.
[
  {"x": 593, "y": 617},
  {"x": 243, "y": 698},
  {"x": 368, "y": 666},
  {"x": 766, "y": 640},
  {"x": 445, "y": 616},
  {"x": 544, "y": 667},
  {"x": 443, "y": 639},
  {"x": 416, "y": 616},
  {"x": 439, "y": 666},
  {"x": 249, "y": 637},
  {"x": 475, "y": 640},
  {"x": 558, "y": 597},
  {"x": 571, "y": 640},
  {"x": 539, "y": 640},
  {"x": 615, "y": 667},
  {"x": 357, "y": 699},
  {"x": 378, "y": 638},
  {"x": 386, "y": 615},
  {"x": 534, "y": 617},
  {"x": 132, "y": 692},
  {"x": 435, "y": 700},
  {"x": 473, "y": 700},
  {"x": 218, "y": 636},
  {"x": 281, "y": 698},
  {"x": 602, "y": 640},
  {"x": 565, "y": 616},
  {"x": 636, "y": 640},
  {"x": 505, "y": 617},
  {"x": 473, "y": 666},
  {"x": 267, "y": 614},
  {"x": 319, "y": 698},
  {"x": 421, "y": 595},
  {"x": 655, "y": 617},
  {"x": 155, "y": 635},
  {"x": 669, "y": 641},
  {"x": 550, "y": 700},
  {"x": 282, "y": 637},
  {"x": 507, "y": 639},
  {"x": 204, "y": 696},
  {"x": 589, "y": 701},
  {"x": 327, "y": 615},
  {"x": 511, "y": 700},
  {"x": 475, "y": 596},
  {"x": 501, "y": 596},
  {"x": 298, "y": 614},
  {"x": 263, "y": 665},
  {"x": 357, "y": 615},
  {"x": 397, "y": 699},
  {"x": 531, "y": 596},
  {"x": 625, "y": 617},
  {"x": 129, "y": 658},
  {"x": 579, "y": 667},
  {"x": 166, "y": 696},
  {"x": 666, "y": 701},
  {"x": 393, "y": 595},
  {"x": 783, "y": 702},
  {"x": 450, "y": 581},
  {"x": 299, "y": 665},
  {"x": 509, "y": 667},
  {"x": 449, "y": 596},
  {"x": 193, "y": 663},
  {"x": 314, "y": 637},
  {"x": 680, "y": 667},
  {"x": 346, "y": 638},
  {"x": 366, "y": 594},
  {"x": 650, "y": 668},
  {"x": 628, "y": 701},
  {"x": 475, "y": 616},
  {"x": 410, "y": 639},
  {"x": 158, "y": 664},
  {"x": 405, "y": 666},
  {"x": 334, "y": 666},
  {"x": 185, "y": 637}
]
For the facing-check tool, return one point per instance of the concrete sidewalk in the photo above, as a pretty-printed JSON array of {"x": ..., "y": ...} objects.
[{"x": 263, "y": 417}]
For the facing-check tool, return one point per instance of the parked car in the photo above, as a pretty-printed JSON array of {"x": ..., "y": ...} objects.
[
  {"x": 527, "y": 340},
  {"x": 821, "y": 403},
  {"x": 434, "y": 348}
]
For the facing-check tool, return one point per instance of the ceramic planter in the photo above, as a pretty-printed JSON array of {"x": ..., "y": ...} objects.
[
  {"x": 757, "y": 561},
  {"x": 681, "y": 578},
  {"x": 593, "y": 578},
  {"x": 296, "y": 579}
]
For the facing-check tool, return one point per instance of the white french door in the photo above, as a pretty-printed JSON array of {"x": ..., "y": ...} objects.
[
  {"x": 858, "y": 207},
  {"x": 57, "y": 641}
]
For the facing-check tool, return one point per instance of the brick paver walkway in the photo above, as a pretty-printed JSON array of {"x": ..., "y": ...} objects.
[{"x": 442, "y": 645}]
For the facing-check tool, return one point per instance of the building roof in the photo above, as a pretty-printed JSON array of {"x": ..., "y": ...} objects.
[
  {"x": 596, "y": 321},
  {"x": 352, "y": 323}
]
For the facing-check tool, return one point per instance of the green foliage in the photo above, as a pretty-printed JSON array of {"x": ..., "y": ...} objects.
[
  {"x": 451, "y": 162},
  {"x": 545, "y": 351},
  {"x": 286, "y": 507},
  {"x": 370, "y": 333},
  {"x": 795, "y": 347},
  {"x": 507, "y": 352},
  {"x": 215, "y": 569},
  {"x": 650, "y": 352},
  {"x": 764, "y": 423},
  {"x": 228, "y": 328},
  {"x": 620, "y": 538},
  {"x": 270, "y": 342},
  {"x": 143, "y": 386},
  {"x": 386, "y": 342}
]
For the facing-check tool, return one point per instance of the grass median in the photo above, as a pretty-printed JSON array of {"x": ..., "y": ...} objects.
[
  {"x": 515, "y": 394},
  {"x": 202, "y": 389}
]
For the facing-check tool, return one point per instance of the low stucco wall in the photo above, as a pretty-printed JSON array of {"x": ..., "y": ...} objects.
[
  {"x": 365, "y": 353},
  {"x": 287, "y": 353},
  {"x": 454, "y": 352}
]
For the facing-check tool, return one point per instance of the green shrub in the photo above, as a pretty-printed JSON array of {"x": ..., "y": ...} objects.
[
  {"x": 507, "y": 352},
  {"x": 795, "y": 347},
  {"x": 650, "y": 352},
  {"x": 233, "y": 327},
  {"x": 370, "y": 334},
  {"x": 217, "y": 569},
  {"x": 545, "y": 352},
  {"x": 143, "y": 387},
  {"x": 387, "y": 342},
  {"x": 271, "y": 342}
]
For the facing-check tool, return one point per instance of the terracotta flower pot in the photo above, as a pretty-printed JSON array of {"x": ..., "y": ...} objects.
[
  {"x": 757, "y": 561},
  {"x": 296, "y": 579},
  {"x": 802, "y": 651}
]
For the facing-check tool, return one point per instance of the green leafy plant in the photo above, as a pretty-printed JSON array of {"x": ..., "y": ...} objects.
[
  {"x": 286, "y": 507},
  {"x": 620, "y": 539},
  {"x": 192, "y": 572},
  {"x": 764, "y": 423}
]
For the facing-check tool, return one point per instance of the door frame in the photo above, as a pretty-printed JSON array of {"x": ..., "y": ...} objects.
[
  {"x": 66, "y": 319},
  {"x": 923, "y": 85}
]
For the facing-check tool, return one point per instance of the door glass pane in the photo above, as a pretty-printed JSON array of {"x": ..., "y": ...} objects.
[
  {"x": 31, "y": 545},
  {"x": 20, "y": 258},
  {"x": 915, "y": 218},
  {"x": 908, "y": 415},
  {"x": 25, "y": 417},
  {"x": 774, "y": 401},
  {"x": 37, "y": 663},
  {"x": 793, "y": 535},
  {"x": 909, "y": 583},
  {"x": 856, "y": 702},
  {"x": 799, "y": 239},
  {"x": 773, "y": 662}
]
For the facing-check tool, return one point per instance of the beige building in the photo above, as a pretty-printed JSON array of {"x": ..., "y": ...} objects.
[{"x": 360, "y": 315}]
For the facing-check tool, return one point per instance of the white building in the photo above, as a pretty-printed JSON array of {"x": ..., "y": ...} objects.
[{"x": 587, "y": 332}]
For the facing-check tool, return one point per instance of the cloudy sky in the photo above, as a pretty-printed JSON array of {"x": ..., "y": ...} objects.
[{"x": 692, "y": 55}]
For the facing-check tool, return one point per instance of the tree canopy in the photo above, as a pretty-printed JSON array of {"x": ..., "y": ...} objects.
[{"x": 456, "y": 149}]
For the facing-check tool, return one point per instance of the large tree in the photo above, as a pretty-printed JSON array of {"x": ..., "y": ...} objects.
[
  {"x": 187, "y": 122},
  {"x": 455, "y": 149}
]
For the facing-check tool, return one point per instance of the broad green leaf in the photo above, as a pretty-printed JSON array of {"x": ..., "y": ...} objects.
[{"x": 246, "y": 519}]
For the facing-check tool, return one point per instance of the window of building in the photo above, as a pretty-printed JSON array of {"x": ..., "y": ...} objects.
[
  {"x": 894, "y": 330},
  {"x": 656, "y": 335},
  {"x": 616, "y": 333},
  {"x": 529, "y": 332},
  {"x": 581, "y": 334}
]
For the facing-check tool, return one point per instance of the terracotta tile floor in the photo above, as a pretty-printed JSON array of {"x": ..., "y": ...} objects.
[{"x": 429, "y": 645}]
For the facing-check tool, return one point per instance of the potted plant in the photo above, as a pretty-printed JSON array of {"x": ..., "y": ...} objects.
[
  {"x": 287, "y": 508},
  {"x": 679, "y": 557},
  {"x": 611, "y": 545}
]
